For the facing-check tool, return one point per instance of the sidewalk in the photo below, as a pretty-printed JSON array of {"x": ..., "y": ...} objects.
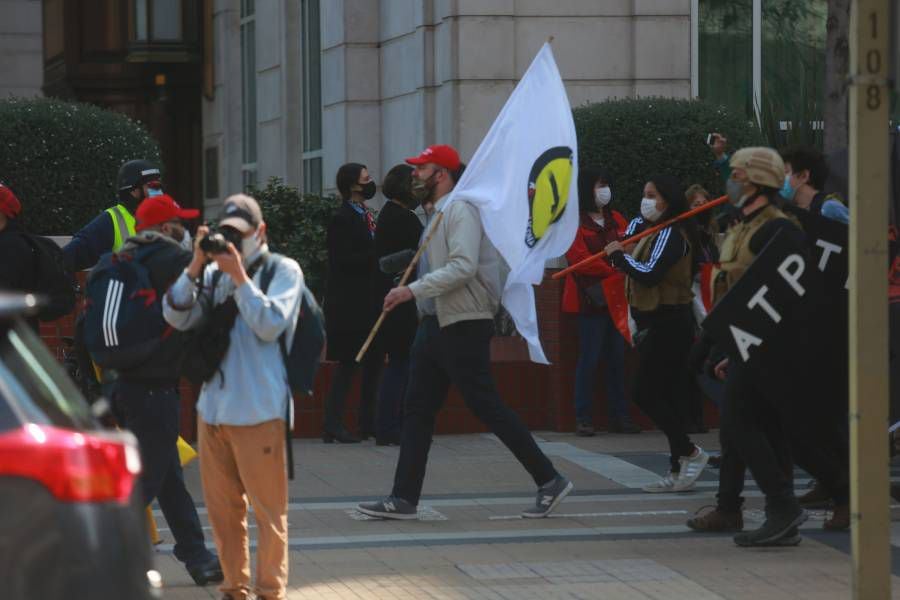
[{"x": 608, "y": 540}]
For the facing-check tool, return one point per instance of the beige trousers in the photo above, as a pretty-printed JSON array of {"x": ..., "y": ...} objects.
[{"x": 238, "y": 463}]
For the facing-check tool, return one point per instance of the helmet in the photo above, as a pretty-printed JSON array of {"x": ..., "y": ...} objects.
[{"x": 136, "y": 172}]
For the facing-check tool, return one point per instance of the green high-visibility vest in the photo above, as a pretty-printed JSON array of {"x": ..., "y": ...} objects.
[{"x": 123, "y": 225}]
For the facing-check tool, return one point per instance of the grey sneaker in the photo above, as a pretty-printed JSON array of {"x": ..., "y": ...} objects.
[
  {"x": 389, "y": 508},
  {"x": 778, "y": 525},
  {"x": 548, "y": 497}
]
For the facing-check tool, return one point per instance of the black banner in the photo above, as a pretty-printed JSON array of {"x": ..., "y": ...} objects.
[{"x": 766, "y": 303}]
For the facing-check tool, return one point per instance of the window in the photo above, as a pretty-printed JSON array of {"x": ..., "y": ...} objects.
[
  {"x": 34, "y": 384},
  {"x": 163, "y": 30},
  {"x": 311, "y": 44},
  {"x": 248, "y": 93},
  {"x": 767, "y": 56}
]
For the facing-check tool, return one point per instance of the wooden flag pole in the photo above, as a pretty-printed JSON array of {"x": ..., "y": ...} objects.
[
  {"x": 403, "y": 280},
  {"x": 650, "y": 231}
]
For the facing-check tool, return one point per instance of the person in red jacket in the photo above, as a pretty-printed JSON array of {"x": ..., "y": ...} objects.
[{"x": 590, "y": 293}]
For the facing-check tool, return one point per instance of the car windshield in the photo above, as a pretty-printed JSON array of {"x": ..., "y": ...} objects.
[{"x": 34, "y": 386}]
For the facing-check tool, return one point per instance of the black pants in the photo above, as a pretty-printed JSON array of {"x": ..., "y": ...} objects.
[
  {"x": 457, "y": 354},
  {"x": 660, "y": 382},
  {"x": 152, "y": 415},
  {"x": 791, "y": 410},
  {"x": 340, "y": 388},
  {"x": 753, "y": 428}
]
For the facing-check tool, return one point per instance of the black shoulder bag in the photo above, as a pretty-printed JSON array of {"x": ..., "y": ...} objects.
[{"x": 206, "y": 346}]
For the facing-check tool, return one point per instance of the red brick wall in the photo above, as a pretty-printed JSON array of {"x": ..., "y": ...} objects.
[{"x": 542, "y": 395}]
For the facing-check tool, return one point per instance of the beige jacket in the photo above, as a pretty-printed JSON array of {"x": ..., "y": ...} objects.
[{"x": 466, "y": 273}]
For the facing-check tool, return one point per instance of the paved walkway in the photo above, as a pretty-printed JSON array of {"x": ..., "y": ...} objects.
[{"x": 607, "y": 540}]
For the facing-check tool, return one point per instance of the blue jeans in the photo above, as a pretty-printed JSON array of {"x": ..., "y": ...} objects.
[
  {"x": 599, "y": 339},
  {"x": 152, "y": 414}
]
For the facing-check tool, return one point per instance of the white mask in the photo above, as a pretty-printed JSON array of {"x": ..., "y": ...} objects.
[
  {"x": 249, "y": 245},
  {"x": 186, "y": 242},
  {"x": 649, "y": 210},
  {"x": 602, "y": 196}
]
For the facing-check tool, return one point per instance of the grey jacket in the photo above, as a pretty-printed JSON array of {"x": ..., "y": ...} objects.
[{"x": 466, "y": 273}]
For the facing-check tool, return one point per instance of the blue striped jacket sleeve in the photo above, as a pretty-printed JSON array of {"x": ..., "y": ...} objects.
[{"x": 668, "y": 248}]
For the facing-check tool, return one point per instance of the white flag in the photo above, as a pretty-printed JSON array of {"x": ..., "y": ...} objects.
[{"x": 523, "y": 179}]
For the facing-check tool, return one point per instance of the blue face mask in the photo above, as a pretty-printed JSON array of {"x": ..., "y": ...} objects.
[{"x": 787, "y": 191}]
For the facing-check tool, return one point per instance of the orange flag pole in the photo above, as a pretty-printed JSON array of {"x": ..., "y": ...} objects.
[{"x": 649, "y": 231}]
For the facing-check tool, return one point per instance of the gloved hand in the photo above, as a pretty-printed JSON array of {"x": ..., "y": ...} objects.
[{"x": 698, "y": 355}]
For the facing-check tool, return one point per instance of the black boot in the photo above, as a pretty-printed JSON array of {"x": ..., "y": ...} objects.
[{"x": 779, "y": 524}]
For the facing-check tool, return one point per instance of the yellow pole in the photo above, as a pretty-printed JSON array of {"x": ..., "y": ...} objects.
[{"x": 870, "y": 31}]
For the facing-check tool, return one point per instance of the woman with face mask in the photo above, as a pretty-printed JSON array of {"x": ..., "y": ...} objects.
[
  {"x": 349, "y": 309},
  {"x": 398, "y": 230},
  {"x": 659, "y": 274},
  {"x": 585, "y": 297}
]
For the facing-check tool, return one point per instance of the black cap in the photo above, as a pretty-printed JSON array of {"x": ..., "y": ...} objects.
[{"x": 135, "y": 173}]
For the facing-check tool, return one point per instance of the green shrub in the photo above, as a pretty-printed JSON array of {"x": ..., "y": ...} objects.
[
  {"x": 636, "y": 139},
  {"x": 297, "y": 225},
  {"x": 61, "y": 159}
]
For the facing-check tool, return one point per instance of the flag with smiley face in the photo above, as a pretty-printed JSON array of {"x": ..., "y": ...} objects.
[{"x": 523, "y": 180}]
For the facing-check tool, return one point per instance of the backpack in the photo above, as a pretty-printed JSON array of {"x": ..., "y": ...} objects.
[
  {"x": 123, "y": 321},
  {"x": 52, "y": 278},
  {"x": 302, "y": 359}
]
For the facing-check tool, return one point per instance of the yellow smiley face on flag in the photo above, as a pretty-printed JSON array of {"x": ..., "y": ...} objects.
[{"x": 548, "y": 191}]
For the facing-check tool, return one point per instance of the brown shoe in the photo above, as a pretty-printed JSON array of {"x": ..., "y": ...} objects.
[
  {"x": 817, "y": 497},
  {"x": 716, "y": 520},
  {"x": 584, "y": 430},
  {"x": 840, "y": 519}
]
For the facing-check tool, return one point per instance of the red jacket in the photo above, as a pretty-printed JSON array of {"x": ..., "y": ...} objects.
[{"x": 588, "y": 236}]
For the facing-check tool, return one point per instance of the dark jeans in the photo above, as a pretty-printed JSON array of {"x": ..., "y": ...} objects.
[
  {"x": 661, "y": 375},
  {"x": 801, "y": 429},
  {"x": 152, "y": 415},
  {"x": 389, "y": 410},
  {"x": 753, "y": 426},
  {"x": 340, "y": 388},
  {"x": 599, "y": 339},
  {"x": 457, "y": 354}
]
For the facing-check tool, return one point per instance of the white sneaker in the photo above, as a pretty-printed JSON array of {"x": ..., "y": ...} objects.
[
  {"x": 691, "y": 468},
  {"x": 666, "y": 484}
]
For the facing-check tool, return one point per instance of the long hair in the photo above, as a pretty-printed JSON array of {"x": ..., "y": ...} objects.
[
  {"x": 587, "y": 177},
  {"x": 348, "y": 176},
  {"x": 672, "y": 192}
]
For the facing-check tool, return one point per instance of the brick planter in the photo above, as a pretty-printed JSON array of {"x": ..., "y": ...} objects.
[{"x": 542, "y": 395}]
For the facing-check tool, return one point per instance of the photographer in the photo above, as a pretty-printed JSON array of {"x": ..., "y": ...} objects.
[{"x": 242, "y": 407}]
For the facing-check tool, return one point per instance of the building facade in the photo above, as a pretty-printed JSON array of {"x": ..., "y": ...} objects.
[
  {"x": 21, "y": 53},
  {"x": 302, "y": 87}
]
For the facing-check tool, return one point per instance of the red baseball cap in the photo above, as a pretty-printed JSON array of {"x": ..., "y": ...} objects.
[
  {"x": 10, "y": 206},
  {"x": 157, "y": 210},
  {"x": 443, "y": 155}
]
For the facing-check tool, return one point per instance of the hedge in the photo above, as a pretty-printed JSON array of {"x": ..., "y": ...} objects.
[
  {"x": 297, "y": 225},
  {"x": 635, "y": 139},
  {"x": 61, "y": 159}
]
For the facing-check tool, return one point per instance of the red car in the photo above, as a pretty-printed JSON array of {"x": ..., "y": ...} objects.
[{"x": 72, "y": 523}]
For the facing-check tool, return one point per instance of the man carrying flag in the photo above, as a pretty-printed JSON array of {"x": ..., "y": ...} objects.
[
  {"x": 458, "y": 294},
  {"x": 509, "y": 208}
]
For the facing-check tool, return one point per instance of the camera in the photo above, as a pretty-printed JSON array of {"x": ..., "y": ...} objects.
[
  {"x": 217, "y": 240},
  {"x": 711, "y": 138}
]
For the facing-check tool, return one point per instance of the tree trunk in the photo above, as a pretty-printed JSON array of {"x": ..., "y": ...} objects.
[{"x": 837, "y": 65}]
